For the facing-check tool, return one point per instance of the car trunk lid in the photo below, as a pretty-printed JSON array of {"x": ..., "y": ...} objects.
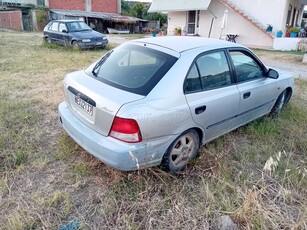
[{"x": 93, "y": 102}]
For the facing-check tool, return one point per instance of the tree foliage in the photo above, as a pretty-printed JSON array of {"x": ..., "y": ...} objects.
[
  {"x": 137, "y": 10},
  {"x": 140, "y": 10}
]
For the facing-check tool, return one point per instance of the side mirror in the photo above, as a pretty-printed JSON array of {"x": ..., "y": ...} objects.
[
  {"x": 272, "y": 73},
  {"x": 64, "y": 31}
]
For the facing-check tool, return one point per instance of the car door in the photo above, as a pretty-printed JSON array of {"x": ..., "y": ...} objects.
[
  {"x": 211, "y": 94},
  {"x": 257, "y": 92},
  {"x": 53, "y": 31},
  {"x": 64, "y": 37}
]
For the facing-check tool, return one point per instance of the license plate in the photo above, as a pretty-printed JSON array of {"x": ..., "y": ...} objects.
[
  {"x": 84, "y": 105},
  {"x": 99, "y": 43}
]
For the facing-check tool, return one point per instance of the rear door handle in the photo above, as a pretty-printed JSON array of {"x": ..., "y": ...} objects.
[
  {"x": 246, "y": 95},
  {"x": 200, "y": 109}
]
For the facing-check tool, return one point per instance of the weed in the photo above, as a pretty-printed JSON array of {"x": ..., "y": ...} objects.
[{"x": 67, "y": 146}]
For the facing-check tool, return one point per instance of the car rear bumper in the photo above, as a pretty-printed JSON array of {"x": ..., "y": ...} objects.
[{"x": 118, "y": 154}]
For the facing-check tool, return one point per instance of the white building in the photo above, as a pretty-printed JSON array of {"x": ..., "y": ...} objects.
[{"x": 248, "y": 19}]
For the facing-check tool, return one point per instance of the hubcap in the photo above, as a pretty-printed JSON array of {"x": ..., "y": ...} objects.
[{"x": 182, "y": 151}]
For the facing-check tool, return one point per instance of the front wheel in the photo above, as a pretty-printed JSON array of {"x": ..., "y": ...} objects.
[
  {"x": 183, "y": 149},
  {"x": 279, "y": 104},
  {"x": 75, "y": 45}
]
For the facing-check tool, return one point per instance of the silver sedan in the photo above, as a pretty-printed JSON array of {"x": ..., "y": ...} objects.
[{"x": 155, "y": 101}]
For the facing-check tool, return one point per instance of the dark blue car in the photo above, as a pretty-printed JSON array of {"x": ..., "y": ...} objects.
[{"x": 73, "y": 33}]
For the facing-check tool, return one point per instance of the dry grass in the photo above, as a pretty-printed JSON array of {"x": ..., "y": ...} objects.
[{"x": 46, "y": 180}]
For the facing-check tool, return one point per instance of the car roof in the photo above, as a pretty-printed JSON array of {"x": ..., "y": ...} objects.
[
  {"x": 184, "y": 43},
  {"x": 67, "y": 20}
]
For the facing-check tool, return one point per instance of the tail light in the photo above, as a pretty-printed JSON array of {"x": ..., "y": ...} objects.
[{"x": 126, "y": 130}]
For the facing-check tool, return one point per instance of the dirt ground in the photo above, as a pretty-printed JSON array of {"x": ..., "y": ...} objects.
[{"x": 298, "y": 69}]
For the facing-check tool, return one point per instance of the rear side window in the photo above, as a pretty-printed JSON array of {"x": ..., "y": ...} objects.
[
  {"x": 210, "y": 71},
  {"x": 134, "y": 68},
  {"x": 54, "y": 26}
]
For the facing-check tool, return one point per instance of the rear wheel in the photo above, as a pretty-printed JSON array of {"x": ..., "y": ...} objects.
[
  {"x": 279, "y": 104},
  {"x": 183, "y": 149},
  {"x": 47, "y": 40}
]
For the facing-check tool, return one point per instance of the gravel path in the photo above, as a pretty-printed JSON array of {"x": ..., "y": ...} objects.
[{"x": 299, "y": 70}]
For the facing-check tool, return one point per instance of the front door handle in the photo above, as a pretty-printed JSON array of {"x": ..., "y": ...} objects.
[
  {"x": 200, "y": 109},
  {"x": 246, "y": 95}
]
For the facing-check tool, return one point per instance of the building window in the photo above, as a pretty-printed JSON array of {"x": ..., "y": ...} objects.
[
  {"x": 191, "y": 21},
  {"x": 289, "y": 15},
  {"x": 293, "y": 17},
  {"x": 41, "y": 2}
]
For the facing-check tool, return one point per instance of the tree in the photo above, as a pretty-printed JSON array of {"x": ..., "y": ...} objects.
[
  {"x": 126, "y": 8},
  {"x": 137, "y": 10},
  {"x": 156, "y": 17}
]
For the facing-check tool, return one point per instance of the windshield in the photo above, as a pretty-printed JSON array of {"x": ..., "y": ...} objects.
[
  {"x": 77, "y": 26},
  {"x": 133, "y": 68}
]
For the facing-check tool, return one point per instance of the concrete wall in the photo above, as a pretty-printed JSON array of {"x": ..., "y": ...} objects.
[
  {"x": 108, "y": 6},
  {"x": 248, "y": 34},
  {"x": 11, "y": 20},
  {"x": 286, "y": 44}
]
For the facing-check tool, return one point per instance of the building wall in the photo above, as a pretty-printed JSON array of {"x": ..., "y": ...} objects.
[
  {"x": 273, "y": 12},
  {"x": 176, "y": 20},
  {"x": 67, "y": 4},
  {"x": 248, "y": 34},
  {"x": 264, "y": 11},
  {"x": 107, "y": 6},
  {"x": 11, "y": 20}
]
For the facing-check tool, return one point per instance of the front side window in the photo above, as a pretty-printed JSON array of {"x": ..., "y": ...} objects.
[
  {"x": 134, "y": 68},
  {"x": 246, "y": 68},
  {"x": 62, "y": 27},
  {"x": 78, "y": 26},
  {"x": 210, "y": 71}
]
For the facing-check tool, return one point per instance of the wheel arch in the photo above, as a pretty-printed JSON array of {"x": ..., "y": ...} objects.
[
  {"x": 200, "y": 133},
  {"x": 289, "y": 92}
]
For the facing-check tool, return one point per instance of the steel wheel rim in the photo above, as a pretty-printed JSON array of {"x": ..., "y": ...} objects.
[{"x": 182, "y": 151}]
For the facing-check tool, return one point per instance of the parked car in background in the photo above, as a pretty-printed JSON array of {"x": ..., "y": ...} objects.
[
  {"x": 73, "y": 33},
  {"x": 157, "y": 100}
]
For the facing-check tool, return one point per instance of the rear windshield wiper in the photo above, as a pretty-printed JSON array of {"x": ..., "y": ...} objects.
[{"x": 100, "y": 62}]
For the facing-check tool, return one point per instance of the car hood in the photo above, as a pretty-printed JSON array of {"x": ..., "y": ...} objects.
[{"x": 87, "y": 34}]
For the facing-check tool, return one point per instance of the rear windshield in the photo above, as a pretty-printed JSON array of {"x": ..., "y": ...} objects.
[{"x": 134, "y": 68}]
